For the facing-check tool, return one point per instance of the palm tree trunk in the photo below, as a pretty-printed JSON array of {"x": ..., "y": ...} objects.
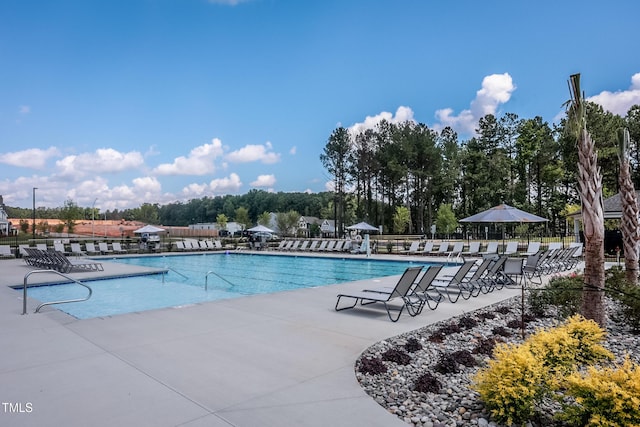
[
  {"x": 629, "y": 222},
  {"x": 590, "y": 181}
]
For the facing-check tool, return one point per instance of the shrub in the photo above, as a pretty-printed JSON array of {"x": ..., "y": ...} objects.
[
  {"x": 447, "y": 364},
  {"x": 565, "y": 293},
  {"x": 467, "y": 322},
  {"x": 436, "y": 337},
  {"x": 485, "y": 346},
  {"x": 412, "y": 345},
  {"x": 427, "y": 383},
  {"x": 448, "y": 329},
  {"x": 627, "y": 311},
  {"x": 510, "y": 384},
  {"x": 396, "y": 356},
  {"x": 464, "y": 357},
  {"x": 486, "y": 315},
  {"x": 501, "y": 331},
  {"x": 607, "y": 397},
  {"x": 372, "y": 366}
]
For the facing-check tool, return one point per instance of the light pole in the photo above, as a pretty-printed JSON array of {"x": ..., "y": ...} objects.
[
  {"x": 93, "y": 217},
  {"x": 33, "y": 227}
]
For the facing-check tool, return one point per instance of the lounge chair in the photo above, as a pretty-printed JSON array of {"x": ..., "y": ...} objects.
[
  {"x": 313, "y": 246},
  {"x": 532, "y": 269},
  {"x": 304, "y": 246},
  {"x": 427, "y": 249},
  {"x": 77, "y": 250},
  {"x": 555, "y": 245},
  {"x": 533, "y": 248},
  {"x": 400, "y": 292},
  {"x": 338, "y": 246},
  {"x": 330, "y": 245},
  {"x": 42, "y": 246},
  {"x": 455, "y": 287},
  {"x": 456, "y": 251},
  {"x": 59, "y": 246},
  {"x": 323, "y": 245},
  {"x": 490, "y": 281},
  {"x": 474, "y": 250},
  {"x": 117, "y": 248},
  {"x": 91, "y": 249},
  {"x": 443, "y": 249},
  {"x": 5, "y": 252},
  {"x": 512, "y": 272},
  {"x": 104, "y": 248},
  {"x": 492, "y": 249},
  {"x": 413, "y": 248},
  {"x": 65, "y": 265},
  {"x": 511, "y": 248},
  {"x": 294, "y": 246},
  {"x": 210, "y": 245},
  {"x": 423, "y": 290},
  {"x": 218, "y": 245}
]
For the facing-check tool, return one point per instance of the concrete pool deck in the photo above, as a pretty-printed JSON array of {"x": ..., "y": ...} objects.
[{"x": 284, "y": 359}]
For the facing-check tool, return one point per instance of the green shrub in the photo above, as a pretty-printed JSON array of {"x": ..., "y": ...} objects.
[
  {"x": 565, "y": 293},
  {"x": 606, "y": 397},
  {"x": 627, "y": 311}
]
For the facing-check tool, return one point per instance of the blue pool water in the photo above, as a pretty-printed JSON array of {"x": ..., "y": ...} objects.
[{"x": 225, "y": 275}]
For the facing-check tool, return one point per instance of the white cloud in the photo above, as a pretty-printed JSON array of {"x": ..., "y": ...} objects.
[
  {"x": 403, "y": 114},
  {"x": 103, "y": 160},
  {"x": 227, "y": 185},
  {"x": 199, "y": 162},
  {"x": 33, "y": 158},
  {"x": 264, "y": 181},
  {"x": 231, "y": 184},
  {"x": 24, "y": 109},
  {"x": 619, "y": 102},
  {"x": 254, "y": 153},
  {"x": 293, "y": 150},
  {"x": 496, "y": 90}
]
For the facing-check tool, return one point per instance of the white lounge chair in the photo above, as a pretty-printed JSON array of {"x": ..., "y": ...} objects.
[
  {"x": 474, "y": 250},
  {"x": 313, "y": 246},
  {"x": 104, "y": 248},
  {"x": 5, "y": 252},
  {"x": 91, "y": 249},
  {"x": 428, "y": 248},
  {"x": 77, "y": 250},
  {"x": 117, "y": 248},
  {"x": 413, "y": 248},
  {"x": 455, "y": 252},
  {"x": 511, "y": 249},
  {"x": 492, "y": 249},
  {"x": 533, "y": 248}
]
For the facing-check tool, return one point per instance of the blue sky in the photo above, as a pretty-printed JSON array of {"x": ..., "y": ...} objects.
[{"x": 134, "y": 101}]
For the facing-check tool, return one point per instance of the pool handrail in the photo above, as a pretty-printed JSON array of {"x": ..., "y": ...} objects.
[
  {"x": 24, "y": 291},
  {"x": 206, "y": 279}
]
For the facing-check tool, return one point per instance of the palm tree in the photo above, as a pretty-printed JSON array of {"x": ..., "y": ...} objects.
[
  {"x": 629, "y": 198},
  {"x": 590, "y": 183}
]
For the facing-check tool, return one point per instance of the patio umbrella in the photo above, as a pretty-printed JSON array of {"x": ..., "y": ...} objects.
[
  {"x": 362, "y": 226},
  {"x": 504, "y": 213},
  {"x": 260, "y": 227},
  {"x": 149, "y": 229}
]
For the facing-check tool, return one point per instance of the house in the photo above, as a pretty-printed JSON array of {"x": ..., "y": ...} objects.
[
  {"x": 5, "y": 225},
  {"x": 305, "y": 224},
  {"x": 328, "y": 228}
]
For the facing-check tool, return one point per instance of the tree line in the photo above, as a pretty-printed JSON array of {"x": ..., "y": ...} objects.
[{"x": 409, "y": 170}]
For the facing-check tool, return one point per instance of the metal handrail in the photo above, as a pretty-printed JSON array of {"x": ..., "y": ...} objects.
[
  {"x": 206, "y": 279},
  {"x": 24, "y": 291},
  {"x": 167, "y": 268}
]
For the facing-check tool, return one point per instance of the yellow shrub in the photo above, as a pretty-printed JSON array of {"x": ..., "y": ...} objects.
[
  {"x": 605, "y": 397},
  {"x": 510, "y": 384}
]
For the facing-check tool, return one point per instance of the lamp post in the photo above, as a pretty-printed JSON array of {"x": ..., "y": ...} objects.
[
  {"x": 33, "y": 227},
  {"x": 93, "y": 217}
]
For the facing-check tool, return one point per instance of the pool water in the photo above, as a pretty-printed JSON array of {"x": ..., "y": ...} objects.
[{"x": 223, "y": 275}]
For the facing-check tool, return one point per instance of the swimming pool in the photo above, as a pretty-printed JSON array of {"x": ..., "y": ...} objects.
[{"x": 224, "y": 275}]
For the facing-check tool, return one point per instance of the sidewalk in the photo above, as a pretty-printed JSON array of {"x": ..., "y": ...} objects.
[{"x": 277, "y": 360}]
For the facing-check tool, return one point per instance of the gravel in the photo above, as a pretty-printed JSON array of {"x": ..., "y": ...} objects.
[{"x": 456, "y": 404}]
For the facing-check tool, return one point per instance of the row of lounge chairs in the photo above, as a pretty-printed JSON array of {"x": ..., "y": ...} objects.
[
  {"x": 457, "y": 249},
  {"x": 198, "y": 245},
  {"x": 331, "y": 245},
  {"x": 56, "y": 260},
  {"x": 470, "y": 279}
]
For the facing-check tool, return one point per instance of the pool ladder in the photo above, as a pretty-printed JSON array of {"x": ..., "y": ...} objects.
[
  {"x": 164, "y": 273},
  {"x": 24, "y": 291}
]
